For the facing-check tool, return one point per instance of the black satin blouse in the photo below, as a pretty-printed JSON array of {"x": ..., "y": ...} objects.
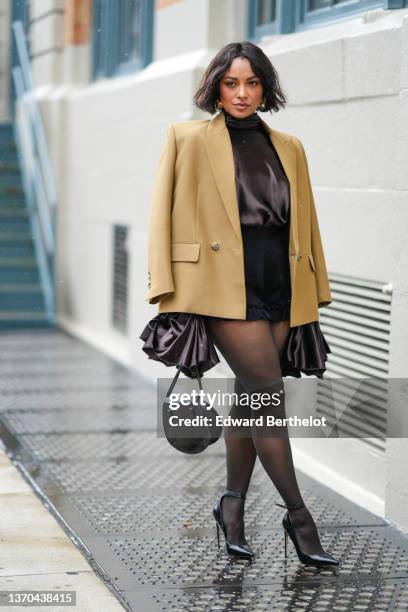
[{"x": 262, "y": 185}]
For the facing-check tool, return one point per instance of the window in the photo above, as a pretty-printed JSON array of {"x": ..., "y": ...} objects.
[
  {"x": 122, "y": 36},
  {"x": 267, "y": 17},
  {"x": 317, "y": 12},
  {"x": 263, "y": 17}
]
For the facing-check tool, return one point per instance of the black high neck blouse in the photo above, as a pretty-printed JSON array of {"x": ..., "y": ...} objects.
[{"x": 262, "y": 185}]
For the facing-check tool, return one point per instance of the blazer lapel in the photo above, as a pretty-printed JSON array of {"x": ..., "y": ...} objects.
[{"x": 221, "y": 158}]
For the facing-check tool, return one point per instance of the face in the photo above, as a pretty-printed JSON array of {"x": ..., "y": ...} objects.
[{"x": 241, "y": 91}]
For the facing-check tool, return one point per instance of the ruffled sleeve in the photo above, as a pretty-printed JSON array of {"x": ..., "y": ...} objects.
[
  {"x": 180, "y": 338},
  {"x": 305, "y": 351}
]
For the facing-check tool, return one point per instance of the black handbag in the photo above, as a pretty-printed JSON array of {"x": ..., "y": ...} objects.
[{"x": 190, "y": 439}]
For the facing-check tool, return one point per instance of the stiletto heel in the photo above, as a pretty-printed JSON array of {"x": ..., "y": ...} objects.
[
  {"x": 318, "y": 559},
  {"x": 237, "y": 550},
  {"x": 286, "y": 542}
]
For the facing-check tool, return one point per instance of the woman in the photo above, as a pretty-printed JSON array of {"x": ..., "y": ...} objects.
[{"x": 234, "y": 237}]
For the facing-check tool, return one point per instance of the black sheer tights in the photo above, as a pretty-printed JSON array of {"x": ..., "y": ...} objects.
[{"x": 252, "y": 350}]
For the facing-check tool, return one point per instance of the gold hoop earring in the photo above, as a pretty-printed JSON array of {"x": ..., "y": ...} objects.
[{"x": 219, "y": 104}]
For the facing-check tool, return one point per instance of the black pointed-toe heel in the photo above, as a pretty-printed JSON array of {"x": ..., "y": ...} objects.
[
  {"x": 237, "y": 550},
  {"x": 318, "y": 559}
]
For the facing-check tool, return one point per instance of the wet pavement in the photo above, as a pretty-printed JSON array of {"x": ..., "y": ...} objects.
[{"x": 82, "y": 430}]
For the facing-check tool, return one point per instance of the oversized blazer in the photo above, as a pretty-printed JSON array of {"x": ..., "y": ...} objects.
[{"x": 195, "y": 249}]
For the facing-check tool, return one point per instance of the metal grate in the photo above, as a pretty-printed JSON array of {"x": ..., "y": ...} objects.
[
  {"x": 120, "y": 277},
  {"x": 289, "y": 597},
  {"x": 110, "y": 514},
  {"x": 142, "y": 513},
  {"x": 357, "y": 326},
  {"x": 191, "y": 557}
]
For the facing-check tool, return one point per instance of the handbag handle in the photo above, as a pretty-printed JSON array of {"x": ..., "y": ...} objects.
[{"x": 173, "y": 382}]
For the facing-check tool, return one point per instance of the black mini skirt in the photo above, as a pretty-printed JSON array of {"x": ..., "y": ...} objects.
[{"x": 267, "y": 272}]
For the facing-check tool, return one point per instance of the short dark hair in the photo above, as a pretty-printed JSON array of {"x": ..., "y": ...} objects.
[{"x": 208, "y": 92}]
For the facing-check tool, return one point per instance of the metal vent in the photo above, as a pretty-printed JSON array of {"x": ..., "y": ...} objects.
[
  {"x": 120, "y": 277},
  {"x": 357, "y": 326}
]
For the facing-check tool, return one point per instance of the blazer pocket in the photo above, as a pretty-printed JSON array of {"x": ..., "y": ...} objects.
[
  {"x": 185, "y": 250},
  {"x": 312, "y": 263}
]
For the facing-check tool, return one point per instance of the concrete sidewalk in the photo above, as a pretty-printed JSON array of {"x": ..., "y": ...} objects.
[
  {"x": 36, "y": 554},
  {"x": 82, "y": 430}
]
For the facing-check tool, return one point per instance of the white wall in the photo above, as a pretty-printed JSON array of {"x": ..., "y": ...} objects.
[
  {"x": 198, "y": 24},
  {"x": 347, "y": 87},
  {"x": 46, "y": 38}
]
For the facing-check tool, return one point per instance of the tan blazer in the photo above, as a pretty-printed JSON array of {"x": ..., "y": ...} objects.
[{"x": 195, "y": 250}]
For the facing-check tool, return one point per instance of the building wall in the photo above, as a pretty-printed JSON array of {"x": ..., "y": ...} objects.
[
  {"x": 46, "y": 37},
  {"x": 347, "y": 87}
]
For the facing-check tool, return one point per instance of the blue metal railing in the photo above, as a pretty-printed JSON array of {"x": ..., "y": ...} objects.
[{"x": 37, "y": 174}]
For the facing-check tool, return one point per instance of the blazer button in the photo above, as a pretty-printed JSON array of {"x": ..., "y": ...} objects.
[
  {"x": 215, "y": 246},
  {"x": 299, "y": 257}
]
